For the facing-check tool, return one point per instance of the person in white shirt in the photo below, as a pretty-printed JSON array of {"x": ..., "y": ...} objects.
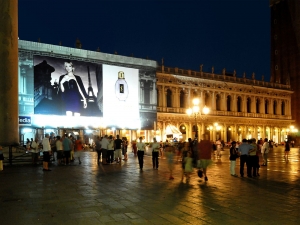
[
  {"x": 46, "y": 152},
  {"x": 265, "y": 151},
  {"x": 141, "y": 151},
  {"x": 104, "y": 147},
  {"x": 34, "y": 151},
  {"x": 219, "y": 147},
  {"x": 155, "y": 151}
]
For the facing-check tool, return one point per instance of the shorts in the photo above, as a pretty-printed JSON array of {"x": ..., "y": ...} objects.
[
  {"x": 60, "y": 154},
  {"x": 118, "y": 153},
  {"x": 46, "y": 156},
  {"x": 67, "y": 154},
  {"x": 34, "y": 156},
  {"x": 78, "y": 154},
  {"x": 205, "y": 163}
]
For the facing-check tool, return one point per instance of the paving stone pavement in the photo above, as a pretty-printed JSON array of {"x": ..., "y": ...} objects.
[{"x": 121, "y": 194}]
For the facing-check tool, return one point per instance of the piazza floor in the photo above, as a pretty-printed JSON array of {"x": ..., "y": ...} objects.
[{"x": 121, "y": 194}]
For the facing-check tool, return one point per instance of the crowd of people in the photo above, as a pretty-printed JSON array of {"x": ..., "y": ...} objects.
[{"x": 192, "y": 154}]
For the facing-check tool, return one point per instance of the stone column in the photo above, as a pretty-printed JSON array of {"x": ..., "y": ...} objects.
[{"x": 9, "y": 113}]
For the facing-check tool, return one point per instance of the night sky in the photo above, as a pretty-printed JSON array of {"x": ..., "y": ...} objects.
[{"x": 231, "y": 34}]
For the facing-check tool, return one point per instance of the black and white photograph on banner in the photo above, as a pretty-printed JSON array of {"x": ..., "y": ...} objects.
[{"x": 67, "y": 87}]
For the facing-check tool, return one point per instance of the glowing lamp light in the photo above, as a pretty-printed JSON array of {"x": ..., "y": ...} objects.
[
  {"x": 189, "y": 111},
  {"x": 205, "y": 110},
  {"x": 196, "y": 101},
  {"x": 196, "y": 109}
]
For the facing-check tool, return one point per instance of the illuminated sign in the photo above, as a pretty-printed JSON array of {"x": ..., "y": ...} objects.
[
  {"x": 24, "y": 120},
  {"x": 59, "y": 92}
]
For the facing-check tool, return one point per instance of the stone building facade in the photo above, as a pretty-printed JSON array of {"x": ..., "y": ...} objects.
[{"x": 239, "y": 107}]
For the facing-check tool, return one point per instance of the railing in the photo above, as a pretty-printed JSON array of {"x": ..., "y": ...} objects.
[
  {"x": 220, "y": 77},
  {"x": 162, "y": 109}
]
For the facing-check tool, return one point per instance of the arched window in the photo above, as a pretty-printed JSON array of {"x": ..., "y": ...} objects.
[
  {"x": 266, "y": 107},
  {"x": 195, "y": 95},
  {"x": 182, "y": 99},
  {"x": 248, "y": 105},
  {"x": 207, "y": 100},
  {"x": 283, "y": 108},
  {"x": 169, "y": 98},
  {"x": 275, "y": 107},
  {"x": 257, "y": 105},
  {"x": 239, "y": 104},
  {"x": 228, "y": 103},
  {"x": 218, "y": 102}
]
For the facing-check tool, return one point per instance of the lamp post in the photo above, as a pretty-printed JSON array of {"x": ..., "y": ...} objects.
[{"x": 196, "y": 112}]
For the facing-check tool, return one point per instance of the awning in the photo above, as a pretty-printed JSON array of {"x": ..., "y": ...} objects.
[{"x": 170, "y": 129}]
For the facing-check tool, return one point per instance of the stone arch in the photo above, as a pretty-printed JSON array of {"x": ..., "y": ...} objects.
[
  {"x": 207, "y": 99},
  {"x": 283, "y": 108},
  {"x": 249, "y": 104},
  {"x": 169, "y": 97},
  {"x": 239, "y": 103},
  {"x": 275, "y": 107},
  {"x": 266, "y": 106},
  {"x": 257, "y": 105},
  {"x": 182, "y": 99},
  {"x": 218, "y": 102},
  {"x": 228, "y": 103}
]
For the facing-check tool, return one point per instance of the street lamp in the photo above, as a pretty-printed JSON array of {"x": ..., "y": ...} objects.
[{"x": 196, "y": 112}]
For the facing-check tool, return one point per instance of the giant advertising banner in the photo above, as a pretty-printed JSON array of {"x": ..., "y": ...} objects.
[
  {"x": 64, "y": 87},
  {"x": 59, "y": 92},
  {"x": 121, "y": 97}
]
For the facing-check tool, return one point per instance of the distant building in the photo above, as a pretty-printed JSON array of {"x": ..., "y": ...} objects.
[{"x": 135, "y": 97}]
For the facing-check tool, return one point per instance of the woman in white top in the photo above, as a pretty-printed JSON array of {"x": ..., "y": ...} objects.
[{"x": 265, "y": 151}]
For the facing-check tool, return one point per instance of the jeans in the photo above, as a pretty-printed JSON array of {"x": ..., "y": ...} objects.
[
  {"x": 110, "y": 156},
  {"x": 243, "y": 160},
  {"x": 155, "y": 159},
  {"x": 265, "y": 158},
  {"x": 251, "y": 167},
  {"x": 140, "y": 155},
  {"x": 99, "y": 152},
  {"x": 232, "y": 167}
]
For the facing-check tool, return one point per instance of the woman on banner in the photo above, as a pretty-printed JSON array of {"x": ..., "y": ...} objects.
[{"x": 72, "y": 91}]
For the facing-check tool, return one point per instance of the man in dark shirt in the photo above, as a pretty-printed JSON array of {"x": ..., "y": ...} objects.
[{"x": 118, "y": 149}]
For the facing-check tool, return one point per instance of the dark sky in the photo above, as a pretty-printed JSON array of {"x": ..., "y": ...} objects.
[{"x": 231, "y": 34}]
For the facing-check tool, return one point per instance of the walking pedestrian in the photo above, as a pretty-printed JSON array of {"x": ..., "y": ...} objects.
[
  {"x": 188, "y": 166},
  {"x": 67, "y": 146},
  {"x": 287, "y": 148},
  {"x": 46, "y": 152},
  {"x": 140, "y": 152},
  {"x": 234, "y": 154},
  {"x": 244, "y": 149},
  {"x": 104, "y": 146},
  {"x": 78, "y": 149},
  {"x": 110, "y": 149},
  {"x": 155, "y": 151},
  {"x": 98, "y": 149},
  {"x": 60, "y": 151},
  {"x": 204, "y": 154},
  {"x": 1, "y": 158},
  {"x": 265, "y": 151},
  {"x": 170, "y": 150},
  {"x": 35, "y": 151},
  {"x": 118, "y": 149},
  {"x": 252, "y": 165}
]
